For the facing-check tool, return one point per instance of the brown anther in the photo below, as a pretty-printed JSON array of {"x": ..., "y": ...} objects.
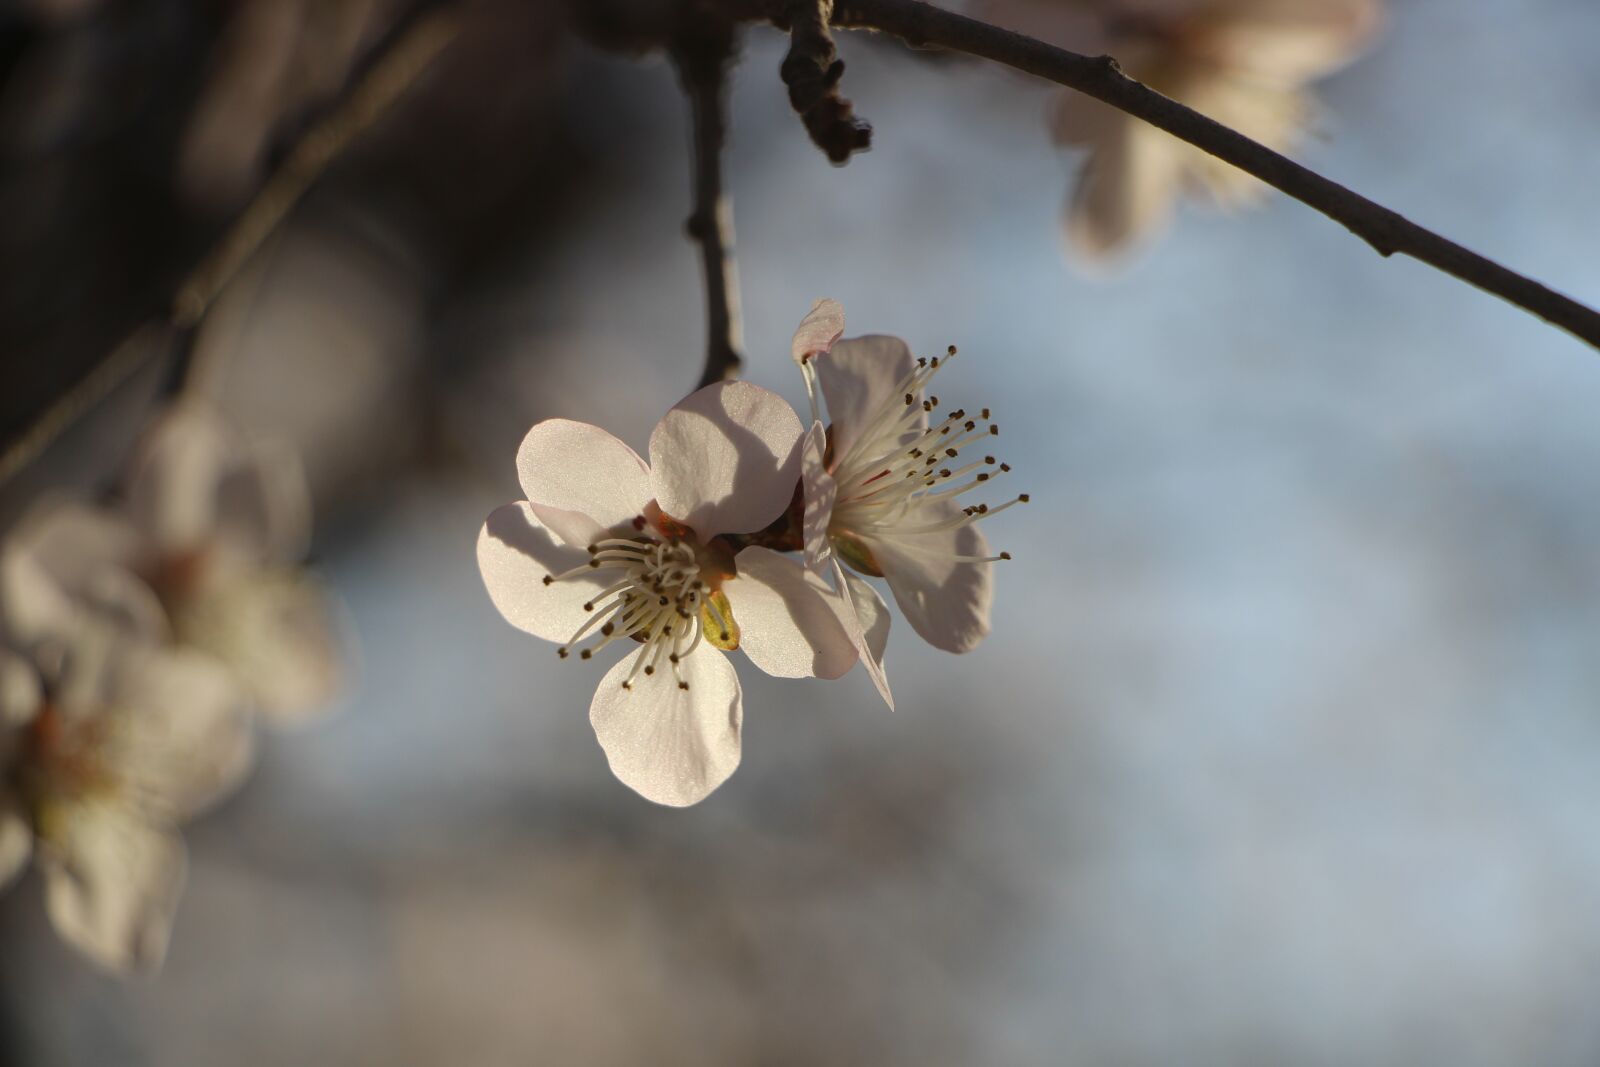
[
  {"x": 910, "y": 400},
  {"x": 983, "y": 476},
  {"x": 561, "y": 652},
  {"x": 1005, "y": 555},
  {"x": 594, "y": 563},
  {"x": 944, "y": 472},
  {"x": 933, "y": 400},
  {"x": 649, "y": 668},
  {"x": 548, "y": 579},
  {"x": 922, "y": 361},
  {"x": 916, "y": 453},
  {"x": 983, "y": 509},
  {"x": 934, "y": 362},
  {"x": 950, "y": 452},
  {"x": 662, "y": 601},
  {"x": 951, "y": 350},
  {"x": 1023, "y": 498},
  {"x": 989, "y": 459},
  {"x": 638, "y": 522},
  {"x": 587, "y": 653},
  {"x": 627, "y": 685},
  {"x": 984, "y": 413},
  {"x": 927, "y": 406},
  {"x": 683, "y": 685},
  {"x": 608, "y": 629},
  {"x": 995, "y": 429},
  {"x": 1005, "y": 466},
  {"x": 725, "y": 636},
  {"x": 588, "y": 605},
  {"x": 969, "y": 425},
  {"x": 673, "y": 657}
]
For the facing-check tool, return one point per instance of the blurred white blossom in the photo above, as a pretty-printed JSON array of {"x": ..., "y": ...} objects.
[
  {"x": 1245, "y": 63},
  {"x": 213, "y": 529},
  {"x": 609, "y": 547},
  {"x": 107, "y": 743}
]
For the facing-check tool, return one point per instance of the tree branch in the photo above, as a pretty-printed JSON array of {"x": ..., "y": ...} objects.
[
  {"x": 417, "y": 36},
  {"x": 920, "y": 24},
  {"x": 812, "y": 70},
  {"x": 702, "y": 50}
]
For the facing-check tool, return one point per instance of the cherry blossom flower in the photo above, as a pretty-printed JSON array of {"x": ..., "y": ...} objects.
[
  {"x": 1245, "y": 63},
  {"x": 213, "y": 527},
  {"x": 104, "y": 750},
  {"x": 882, "y": 485},
  {"x": 608, "y": 549}
]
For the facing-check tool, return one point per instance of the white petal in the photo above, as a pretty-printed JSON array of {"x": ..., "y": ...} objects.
[
  {"x": 172, "y": 491},
  {"x": 16, "y": 838},
  {"x": 820, "y": 492},
  {"x": 789, "y": 619},
  {"x": 112, "y": 883},
  {"x": 179, "y": 730},
  {"x": 726, "y": 459},
  {"x": 68, "y": 564},
  {"x": 671, "y": 745},
  {"x": 277, "y": 630},
  {"x": 861, "y": 378},
  {"x": 817, "y": 332},
  {"x": 581, "y": 480},
  {"x": 945, "y": 601},
  {"x": 263, "y": 506},
  {"x": 1125, "y": 190},
  {"x": 514, "y": 554},
  {"x": 868, "y": 624},
  {"x": 20, "y": 691}
]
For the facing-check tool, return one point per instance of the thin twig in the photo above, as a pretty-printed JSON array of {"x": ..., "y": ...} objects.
[
  {"x": 812, "y": 70},
  {"x": 920, "y": 24},
  {"x": 392, "y": 66},
  {"x": 702, "y": 51}
]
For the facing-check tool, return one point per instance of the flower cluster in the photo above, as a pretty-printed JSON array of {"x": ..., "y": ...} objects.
[
  {"x": 136, "y": 640},
  {"x": 747, "y": 532}
]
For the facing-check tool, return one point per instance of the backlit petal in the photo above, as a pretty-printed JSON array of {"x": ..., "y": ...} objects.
[
  {"x": 581, "y": 480},
  {"x": 515, "y": 553},
  {"x": 868, "y": 625},
  {"x": 671, "y": 745},
  {"x": 788, "y": 617},
  {"x": 726, "y": 459},
  {"x": 861, "y": 378},
  {"x": 945, "y": 601},
  {"x": 817, "y": 332},
  {"x": 820, "y": 492}
]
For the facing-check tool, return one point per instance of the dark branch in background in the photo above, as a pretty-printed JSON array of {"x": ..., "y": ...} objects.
[
  {"x": 920, "y": 24},
  {"x": 417, "y": 36},
  {"x": 812, "y": 70},
  {"x": 702, "y": 49}
]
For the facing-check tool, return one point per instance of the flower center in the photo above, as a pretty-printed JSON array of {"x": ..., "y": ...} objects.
[
  {"x": 658, "y": 598},
  {"x": 897, "y": 470},
  {"x": 60, "y": 759}
]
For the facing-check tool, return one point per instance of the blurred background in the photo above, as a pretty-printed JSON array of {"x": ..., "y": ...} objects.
[{"x": 1286, "y": 744}]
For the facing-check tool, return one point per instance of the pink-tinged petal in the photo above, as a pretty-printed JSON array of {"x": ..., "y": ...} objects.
[
  {"x": 868, "y": 623},
  {"x": 862, "y": 379},
  {"x": 172, "y": 489},
  {"x": 945, "y": 601},
  {"x": 16, "y": 838},
  {"x": 820, "y": 492},
  {"x": 515, "y": 553},
  {"x": 817, "y": 332},
  {"x": 21, "y": 692},
  {"x": 726, "y": 459},
  {"x": 671, "y": 745},
  {"x": 181, "y": 729},
  {"x": 112, "y": 884},
  {"x": 789, "y": 619},
  {"x": 263, "y": 509},
  {"x": 581, "y": 481},
  {"x": 1125, "y": 190}
]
